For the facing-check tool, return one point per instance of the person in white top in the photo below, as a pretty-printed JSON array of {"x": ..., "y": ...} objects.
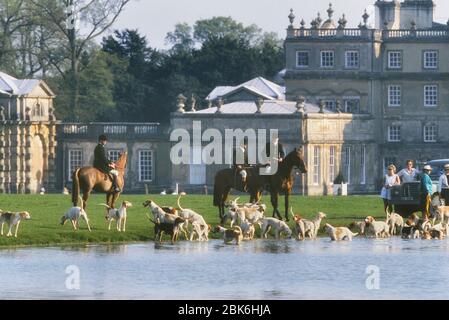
[
  {"x": 408, "y": 174},
  {"x": 391, "y": 179},
  {"x": 443, "y": 185}
]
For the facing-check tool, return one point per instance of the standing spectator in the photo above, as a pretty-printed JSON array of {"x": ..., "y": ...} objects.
[
  {"x": 391, "y": 179},
  {"x": 426, "y": 187},
  {"x": 408, "y": 174},
  {"x": 443, "y": 185}
]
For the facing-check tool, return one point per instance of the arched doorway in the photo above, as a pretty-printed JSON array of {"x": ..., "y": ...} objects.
[{"x": 37, "y": 164}]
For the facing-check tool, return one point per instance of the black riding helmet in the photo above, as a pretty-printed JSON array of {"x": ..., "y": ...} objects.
[{"x": 102, "y": 138}]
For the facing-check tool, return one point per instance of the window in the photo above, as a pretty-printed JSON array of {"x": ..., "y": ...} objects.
[
  {"x": 145, "y": 165},
  {"x": 352, "y": 59},
  {"x": 347, "y": 164},
  {"x": 394, "y": 133},
  {"x": 327, "y": 59},
  {"x": 430, "y": 59},
  {"x": 114, "y": 155},
  {"x": 430, "y": 133},
  {"x": 394, "y": 96},
  {"x": 395, "y": 60},
  {"x": 352, "y": 105},
  {"x": 316, "y": 165},
  {"x": 388, "y": 161},
  {"x": 75, "y": 162},
  {"x": 363, "y": 165},
  {"x": 332, "y": 163},
  {"x": 37, "y": 110},
  {"x": 197, "y": 168},
  {"x": 431, "y": 96},
  {"x": 302, "y": 59},
  {"x": 329, "y": 104}
]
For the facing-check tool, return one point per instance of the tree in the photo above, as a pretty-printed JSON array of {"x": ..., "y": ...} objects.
[
  {"x": 96, "y": 91},
  {"x": 181, "y": 39},
  {"x": 60, "y": 17},
  {"x": 225, "y": 27}
]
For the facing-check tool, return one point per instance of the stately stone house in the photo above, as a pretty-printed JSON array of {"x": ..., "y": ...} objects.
[
  {"x": 374, "y": 96},
  {"x": 357, "y": 99},
  {"x": 27, "y": 136}
]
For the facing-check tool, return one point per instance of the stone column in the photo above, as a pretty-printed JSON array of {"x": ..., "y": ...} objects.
[
  {"x": 51, "y": 158},
  {"x": 2, "y": 158},
  {"x": 27, "y": 158}
]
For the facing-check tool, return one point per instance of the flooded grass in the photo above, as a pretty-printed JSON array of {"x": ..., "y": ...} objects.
[{"x": 44, "y": 229}]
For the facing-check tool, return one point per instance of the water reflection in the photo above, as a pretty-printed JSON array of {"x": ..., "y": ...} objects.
[{"x": 286, "y": 269}]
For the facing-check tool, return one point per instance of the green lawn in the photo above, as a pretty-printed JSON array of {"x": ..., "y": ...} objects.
[{"x": 44, "y": 229}]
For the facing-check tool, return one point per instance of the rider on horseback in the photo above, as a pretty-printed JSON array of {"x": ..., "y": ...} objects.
[
  {"x": 102, "y": 162},
  {"x": 240, "y": 161},
  {"x": 274, "y": 146}
]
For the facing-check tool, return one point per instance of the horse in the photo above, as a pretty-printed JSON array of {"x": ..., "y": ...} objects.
[
  {"x": 90, "y": 179},
  {"x": 281, "y": 181},
  {"x": 225, "y": 180}
]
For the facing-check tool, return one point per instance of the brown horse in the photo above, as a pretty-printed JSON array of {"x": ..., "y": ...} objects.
[
  {"x": 225, "y": 180},
  {"x": 281, "y": 181},
  {"x": 90, "y": 179}
]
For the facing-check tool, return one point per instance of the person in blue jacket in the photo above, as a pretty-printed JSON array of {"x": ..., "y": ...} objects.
[{"x": 426, "y": 187}]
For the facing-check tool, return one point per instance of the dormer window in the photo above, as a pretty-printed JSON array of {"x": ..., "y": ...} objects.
[{"x": 38, "y": 110}]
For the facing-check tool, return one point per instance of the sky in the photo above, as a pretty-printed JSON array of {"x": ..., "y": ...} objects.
[{"x": 154, "y": 18}]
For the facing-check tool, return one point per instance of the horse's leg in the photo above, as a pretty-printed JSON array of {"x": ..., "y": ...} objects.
[
  {"x": 287, "y": 195},
  {"x": 109, "y": 199},
  {"x": 115, "y": 196},
  {"x": 274, "y": 203},
  {"x": 222, "y": 204},
  {"x": 86, "y": 195}
]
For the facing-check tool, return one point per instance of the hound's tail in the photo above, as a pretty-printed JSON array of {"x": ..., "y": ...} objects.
[
  {"x": 237, "y": 228},
  {"x": 76, "y": 188},
  {"x": 355, "y": 234},
  {"x": 179, "y": 203},
  {"x": 80, "y": 201},
  {"x": 105, "y": 205}
]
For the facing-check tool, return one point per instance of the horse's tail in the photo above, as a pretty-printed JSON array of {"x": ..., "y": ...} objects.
[
  {"x": 76, "y": 188},
  {"x": 179, "y": 203}
]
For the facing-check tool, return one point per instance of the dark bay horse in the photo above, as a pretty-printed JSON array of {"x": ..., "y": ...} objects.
[
  {"x": 281, "y": 181},
  {"x": 90, "y": 179},
  {"x": 225, "y": 180}
]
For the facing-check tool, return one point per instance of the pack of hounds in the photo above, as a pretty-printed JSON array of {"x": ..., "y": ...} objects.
[{"x": 244, "y": 218}]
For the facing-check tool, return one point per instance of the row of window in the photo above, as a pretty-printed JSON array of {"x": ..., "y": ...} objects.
[
  {"x": 145, "y": 163},
  {"x": 430, "y": 133},
  {"x": 349, "y": 105},
  {"x": 327, "y": 59},
  {"x": 333, "y": 170},
  {"x": 352, "y": 59},
  {"x": 429, "y": 61},
  {"x": 430, "y": 95}
]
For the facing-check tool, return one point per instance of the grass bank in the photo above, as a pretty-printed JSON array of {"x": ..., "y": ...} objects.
[{"x": 44, "y": 229}]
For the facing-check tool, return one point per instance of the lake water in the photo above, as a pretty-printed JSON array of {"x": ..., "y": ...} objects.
[{"x": 321, "y": 269}]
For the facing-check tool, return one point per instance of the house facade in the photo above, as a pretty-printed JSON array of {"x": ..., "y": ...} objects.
[
  {"x": 356, "y": 100},
  {"x": 27, "y": 136}
]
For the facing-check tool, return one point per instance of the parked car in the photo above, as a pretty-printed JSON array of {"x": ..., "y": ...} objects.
[
  {"x": 437, "y": 168},
  {"x": 407, "y": 197}
]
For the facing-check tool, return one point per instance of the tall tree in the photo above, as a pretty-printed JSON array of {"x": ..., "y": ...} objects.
[
  {"x": 181, "y": 39},
  {"x": 62, "y": 17},
  {"x": 225, "y": 27}
]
